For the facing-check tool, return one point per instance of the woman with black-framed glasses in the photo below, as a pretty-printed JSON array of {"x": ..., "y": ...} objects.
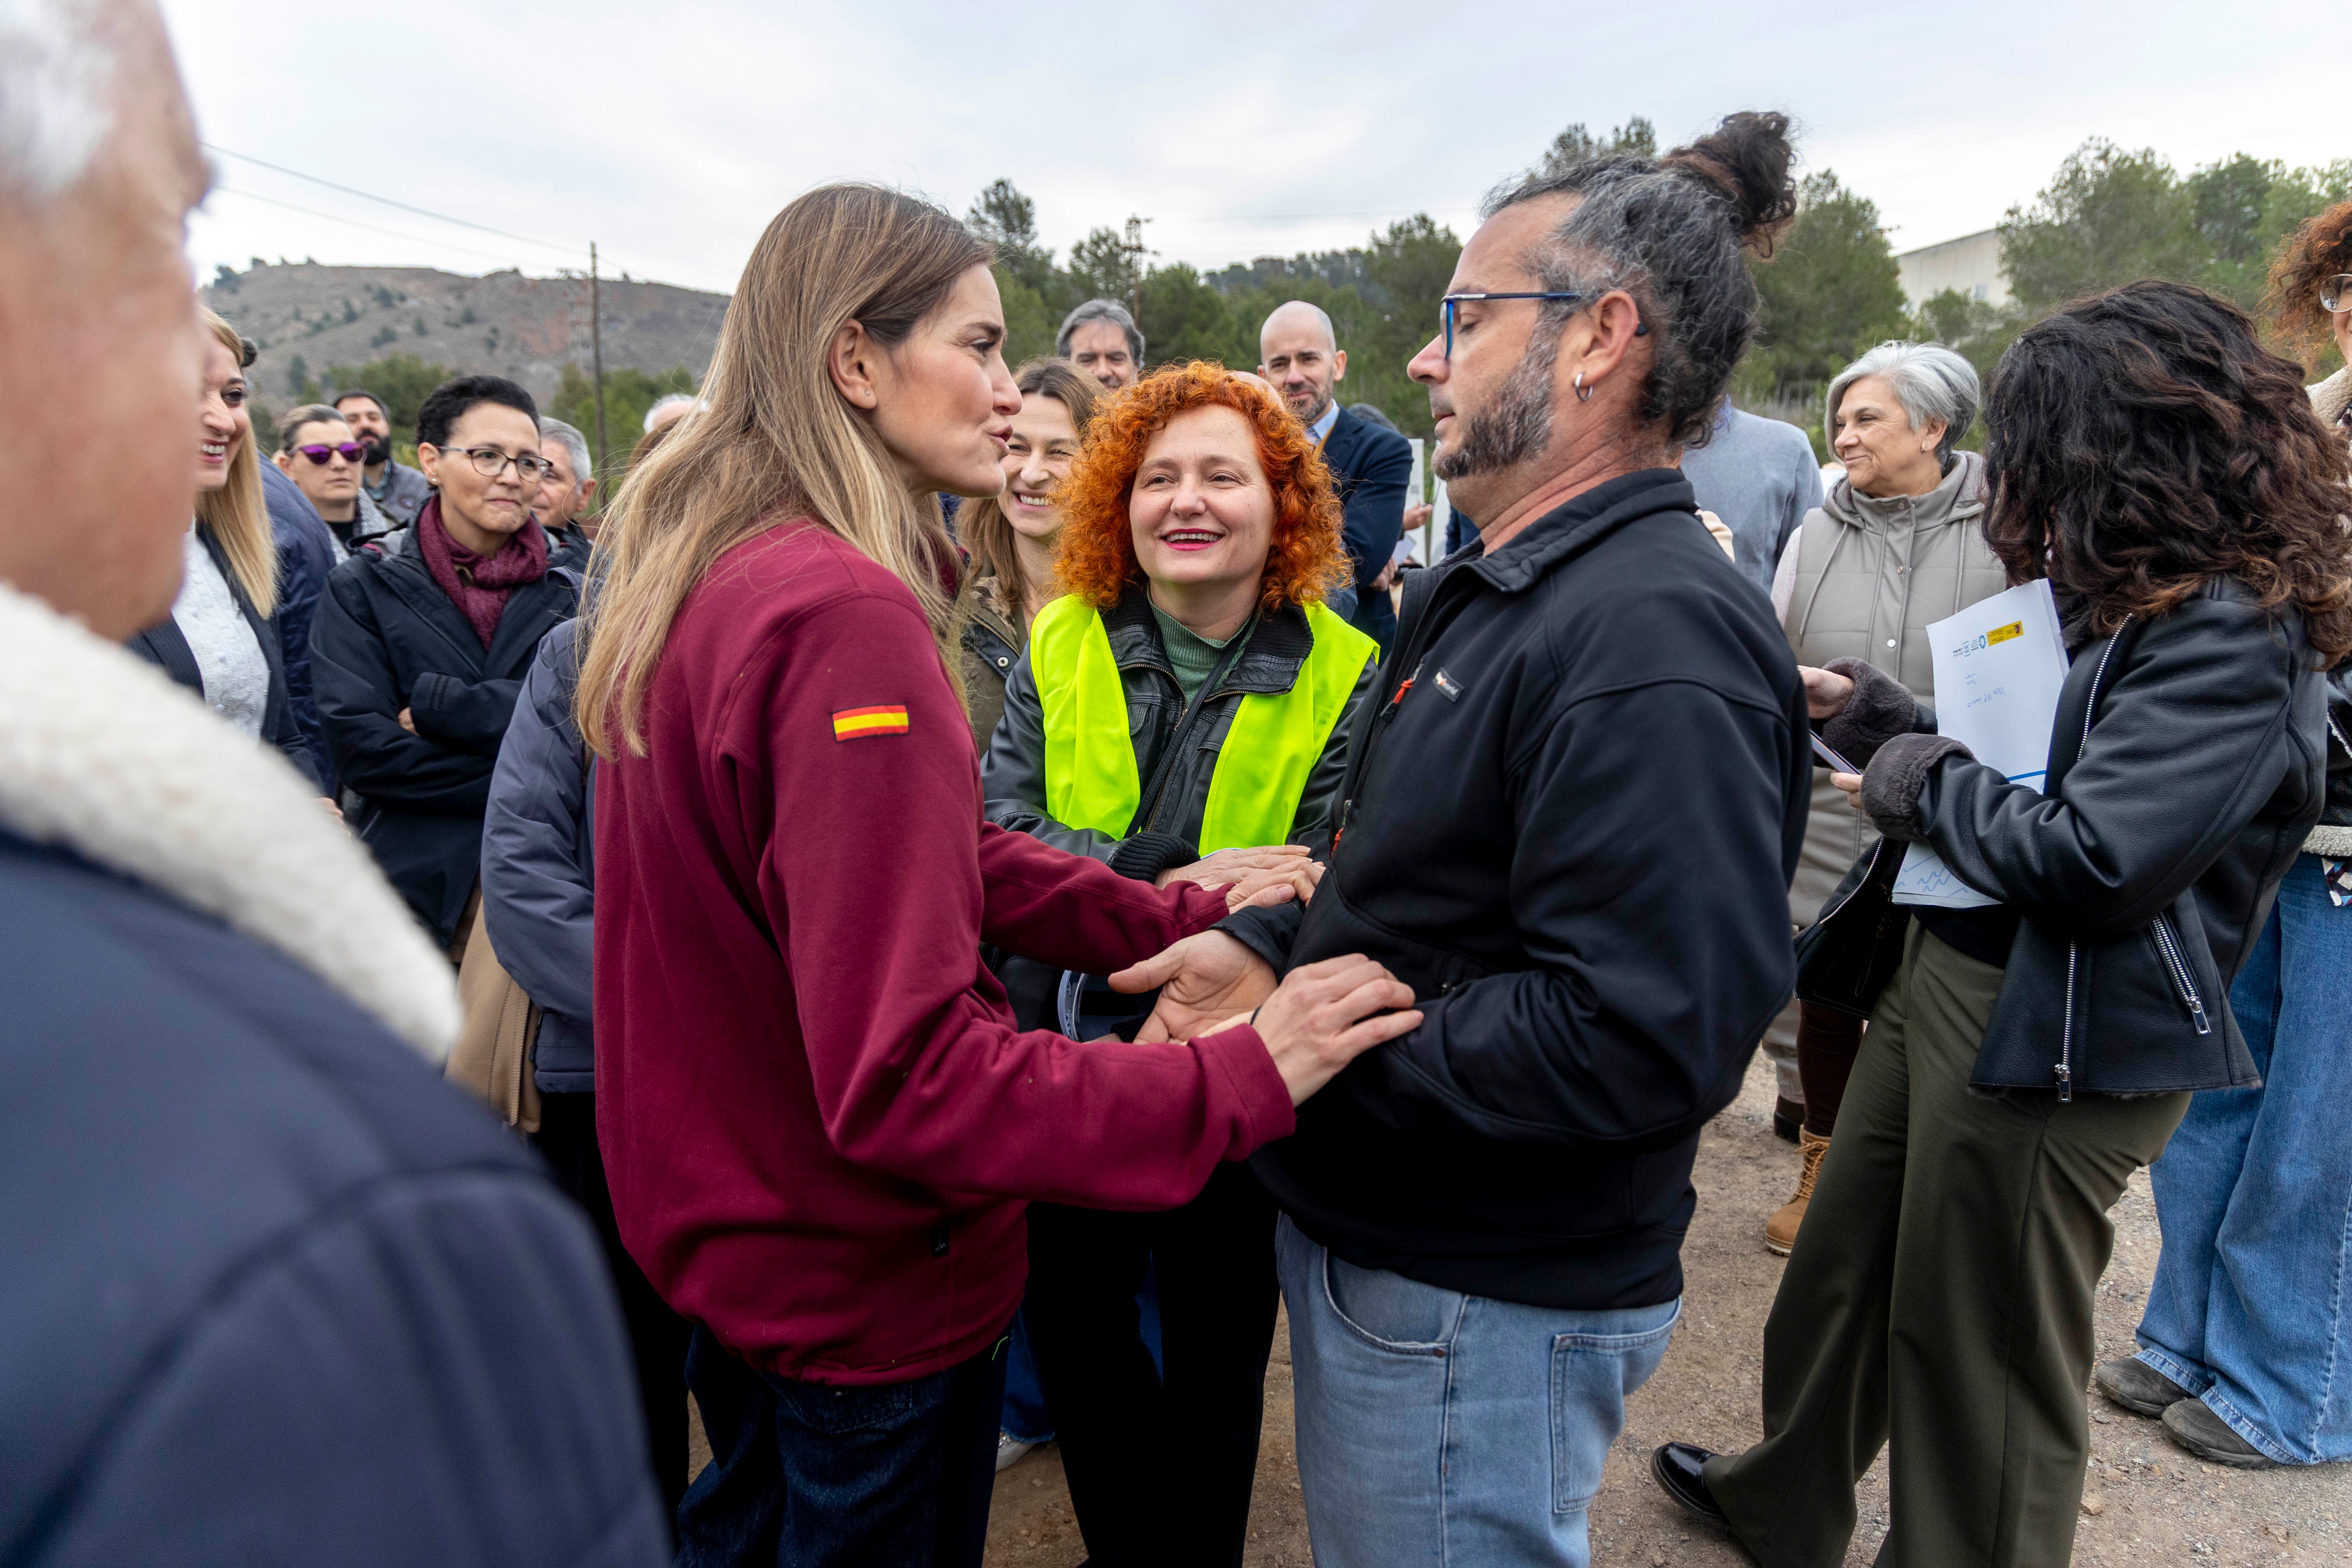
[
  {"x": 422, "y": 639},
  {"x": 317, "y": 450}
]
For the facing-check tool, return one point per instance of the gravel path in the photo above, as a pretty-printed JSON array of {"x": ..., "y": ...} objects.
[{"x": 2146, "y": 1502}]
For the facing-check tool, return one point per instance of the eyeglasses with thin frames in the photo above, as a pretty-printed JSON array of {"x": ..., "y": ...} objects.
[
  {"x": 490, "y": 462},
  {"x": 1448, "y": 303},
  {"x": 2336, "y": 294}
]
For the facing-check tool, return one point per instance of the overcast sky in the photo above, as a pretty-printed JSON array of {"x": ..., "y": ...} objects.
[{"x": 671, "y": 133}]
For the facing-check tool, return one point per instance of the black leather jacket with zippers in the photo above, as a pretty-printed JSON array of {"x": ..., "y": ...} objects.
[{"x": 2188, "y": 763}]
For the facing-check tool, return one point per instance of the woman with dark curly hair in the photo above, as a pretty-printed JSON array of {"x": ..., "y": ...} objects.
[
  {"x": 1179, "y": 715},
  {"x": 2167, "y": 474},
  {"x": 2247, "y": 1334}
]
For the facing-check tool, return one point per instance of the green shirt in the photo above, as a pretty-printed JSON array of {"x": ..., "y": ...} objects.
[{"x": 1193, "y": 656}]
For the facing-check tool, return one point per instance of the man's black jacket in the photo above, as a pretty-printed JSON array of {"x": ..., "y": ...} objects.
[
  {"x": 387, "y": 637},
  {"x": 1571, "y": 812}
]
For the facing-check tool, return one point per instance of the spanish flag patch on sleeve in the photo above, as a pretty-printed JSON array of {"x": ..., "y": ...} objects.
[{"x": 857, "y": 723}]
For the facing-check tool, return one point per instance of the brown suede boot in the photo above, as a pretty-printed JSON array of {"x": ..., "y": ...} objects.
[{"x": 1780, "y": 1231}]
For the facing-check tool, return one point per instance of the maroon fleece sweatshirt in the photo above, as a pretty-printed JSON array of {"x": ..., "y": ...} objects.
[{"x": 817, "y": 1118}]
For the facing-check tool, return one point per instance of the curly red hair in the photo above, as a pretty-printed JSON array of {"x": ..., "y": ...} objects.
[{"x": 1095, "y": 558}]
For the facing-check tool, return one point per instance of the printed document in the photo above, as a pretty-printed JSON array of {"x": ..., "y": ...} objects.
[{"x": 2000, "y": 665}]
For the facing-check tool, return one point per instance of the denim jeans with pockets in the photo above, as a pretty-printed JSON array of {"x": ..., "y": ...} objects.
[
  {"x": 807, "y": 1475},
  {"x": 2254, "y": 1195},
  {"x": 1436, "y": 1427}
]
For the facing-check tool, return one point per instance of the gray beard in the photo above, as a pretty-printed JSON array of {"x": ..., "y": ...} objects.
[{"x": 1513, "y": 428}]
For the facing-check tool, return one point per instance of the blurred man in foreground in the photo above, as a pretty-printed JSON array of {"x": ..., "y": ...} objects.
[{"x": 273, "y": 1292}]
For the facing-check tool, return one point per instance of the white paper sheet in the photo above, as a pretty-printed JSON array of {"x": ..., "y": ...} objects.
[{"x": 2000, "y": 665}]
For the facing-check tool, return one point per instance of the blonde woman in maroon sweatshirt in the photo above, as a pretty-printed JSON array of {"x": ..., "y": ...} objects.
[{"x": 819, "y": 1120}]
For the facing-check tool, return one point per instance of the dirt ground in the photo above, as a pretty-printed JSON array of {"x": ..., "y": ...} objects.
[{"x": 2147, "y": 1500}]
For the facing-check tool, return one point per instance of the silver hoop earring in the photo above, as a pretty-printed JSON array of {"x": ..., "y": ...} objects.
[{"x": 1583, "y": 392}]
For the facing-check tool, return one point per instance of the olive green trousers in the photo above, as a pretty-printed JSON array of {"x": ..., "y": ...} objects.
[{"x": 1939, "y": 1299}]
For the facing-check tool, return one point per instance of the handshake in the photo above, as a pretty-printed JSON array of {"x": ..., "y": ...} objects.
[{"x": 1320, "y": 1017}]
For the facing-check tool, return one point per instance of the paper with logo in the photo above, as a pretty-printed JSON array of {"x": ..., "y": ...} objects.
[{"x": 2000, "y": 665}]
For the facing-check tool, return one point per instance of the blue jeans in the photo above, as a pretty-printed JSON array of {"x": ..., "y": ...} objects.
[
  {"x": 2255, "y": 1193},
  {"x": 806, "y": 1475},
  {"x": 1025, "y": 1416},
  {"x": 1438, "y": 1428}
]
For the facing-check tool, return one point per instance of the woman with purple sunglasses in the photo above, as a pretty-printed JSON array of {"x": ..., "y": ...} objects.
[{"x": 317, "y": 450}]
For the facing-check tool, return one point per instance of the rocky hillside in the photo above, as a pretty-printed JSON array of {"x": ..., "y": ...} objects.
[{"x": 307, "y": 317}]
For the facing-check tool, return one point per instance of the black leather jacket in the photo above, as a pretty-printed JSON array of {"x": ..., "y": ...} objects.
[{"x": 2188, "y": 762}]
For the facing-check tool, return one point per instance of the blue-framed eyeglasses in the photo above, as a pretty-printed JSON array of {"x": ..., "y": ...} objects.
[{"x": 1448, "y": 304}]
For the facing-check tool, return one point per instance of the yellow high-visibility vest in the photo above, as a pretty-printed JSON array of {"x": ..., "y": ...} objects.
[{"x": 1262, "y": 769}]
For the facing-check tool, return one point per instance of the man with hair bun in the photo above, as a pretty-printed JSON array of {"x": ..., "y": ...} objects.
[{"x": 1483, "y": 1221}]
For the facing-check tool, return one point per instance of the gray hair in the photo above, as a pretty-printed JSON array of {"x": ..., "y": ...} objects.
[
  {"x": 575, "y": 447},
  {"x": 1109, "y": 310},
  {"x": 1669, "y": 231},
  {"x": 1930, "y": 382},
  {"x": 57, "y": 72},
  {"x": 664, "y": 404}
]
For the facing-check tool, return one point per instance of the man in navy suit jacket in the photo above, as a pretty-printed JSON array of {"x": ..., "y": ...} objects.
[{"x": 1298, "y": 354}]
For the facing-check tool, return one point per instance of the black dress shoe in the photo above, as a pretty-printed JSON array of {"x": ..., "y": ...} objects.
[
  {"x": 1676, "y": 1467},
  {"x": 1787, "y": 1115}
]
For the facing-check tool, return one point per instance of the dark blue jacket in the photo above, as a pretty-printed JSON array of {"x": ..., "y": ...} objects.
[
  {"x": 305, "y": 553},
  {"x": 538, "y": 884},
  {"x": 1371, "y": 466},
  {"x": 165, "y": 645},
  {"x": 274, "y": 1293}
]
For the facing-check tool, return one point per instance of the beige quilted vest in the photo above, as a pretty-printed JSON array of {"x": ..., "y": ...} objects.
[{"x": 1871, "y": 575}]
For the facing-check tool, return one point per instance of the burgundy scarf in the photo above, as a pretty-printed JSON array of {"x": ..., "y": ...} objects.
[{"x": 479, "y": 584}]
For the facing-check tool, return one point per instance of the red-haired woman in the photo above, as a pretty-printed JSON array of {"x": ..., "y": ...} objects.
[{"x": 1181, "y": 715}]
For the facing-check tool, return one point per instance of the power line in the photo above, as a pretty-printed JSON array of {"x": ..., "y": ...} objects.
[
  {"x": 1230, "y": 218},
  {"x": 387, "y": 201},
  {"x": 371, "y": 228}
]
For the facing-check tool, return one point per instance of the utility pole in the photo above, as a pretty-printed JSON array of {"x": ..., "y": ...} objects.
[
  {"x": 1134, "y": 247},
  {"x": 596, "y": 351}
]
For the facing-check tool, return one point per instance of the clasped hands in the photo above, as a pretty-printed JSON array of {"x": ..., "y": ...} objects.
[
  {"x": 1268, "y": 874},
  {"x": 1318, "y": 1019}
]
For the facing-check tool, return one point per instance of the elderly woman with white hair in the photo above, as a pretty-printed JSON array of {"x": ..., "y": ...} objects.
[{"x": 1898, "y": 543}]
